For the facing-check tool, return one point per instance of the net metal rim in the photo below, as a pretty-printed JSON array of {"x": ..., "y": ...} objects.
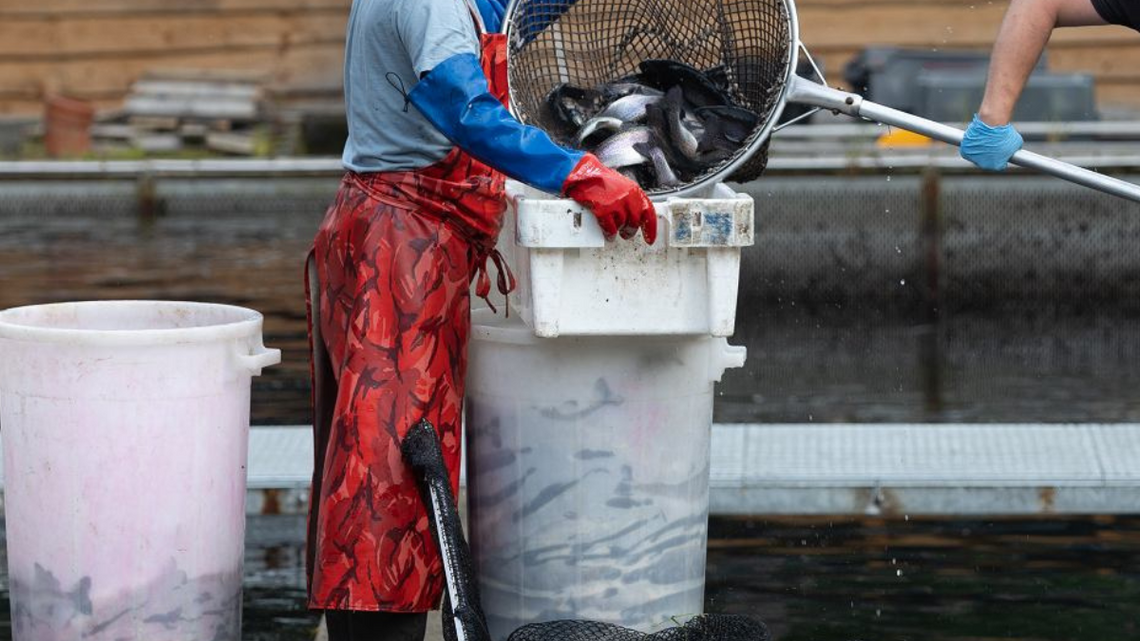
[{"x": 703, "y": 186}]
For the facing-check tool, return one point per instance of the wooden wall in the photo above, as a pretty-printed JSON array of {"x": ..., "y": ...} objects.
[
  {"x": 95, "y": 48},
  {"x": 836, "y": 30}
]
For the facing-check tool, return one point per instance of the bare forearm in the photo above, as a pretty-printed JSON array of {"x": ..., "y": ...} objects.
[
  {"x": 1021, "y": 39},
  {"x": 1024, "y": 32}
]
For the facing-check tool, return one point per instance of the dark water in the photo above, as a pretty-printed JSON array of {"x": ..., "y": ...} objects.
[
  {"x": 244, "y": 242},
  {"x": 819, "y": 579},
  {"x": 931, "y": 580}
]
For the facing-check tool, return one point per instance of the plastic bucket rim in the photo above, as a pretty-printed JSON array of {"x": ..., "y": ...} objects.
[
  {"x": 243, "y": 328},
  {"x": 488, "y": 325}
]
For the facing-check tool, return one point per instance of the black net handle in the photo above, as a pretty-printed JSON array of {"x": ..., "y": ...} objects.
[{"x": 462, "y": 612}]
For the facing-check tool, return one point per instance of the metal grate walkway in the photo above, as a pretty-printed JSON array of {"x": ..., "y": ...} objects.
[
  {"x": 835, "y": 469},
  {"x": 890, "y": 469}
]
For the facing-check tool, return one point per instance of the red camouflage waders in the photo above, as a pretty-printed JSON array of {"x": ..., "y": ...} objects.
[{"x": 389, "y": 316}]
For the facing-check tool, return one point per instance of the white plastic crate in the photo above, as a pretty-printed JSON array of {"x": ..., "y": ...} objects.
[{"x": 571, "y": 281}]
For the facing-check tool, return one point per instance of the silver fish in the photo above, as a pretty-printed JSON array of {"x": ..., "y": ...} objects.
[
  {"x": 618, "y": 151},
  {"x": 681, "y": 134},
  {"x": 630, "y": 108},
  {"x": 598, "y": 123},
  {"x": 666, "y": 177},
  {"x": 616, "y": 90},
  {"x": 698, "y": 141}
]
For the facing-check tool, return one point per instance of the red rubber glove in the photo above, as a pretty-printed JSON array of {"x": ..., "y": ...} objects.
[{"x": 619, "y": 204}]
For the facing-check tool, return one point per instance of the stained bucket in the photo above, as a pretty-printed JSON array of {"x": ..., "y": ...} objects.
[
  {"x": 67, "y": 126},
  {"x": 125, "y": 429},
  {"x": 588, "y": 473}
]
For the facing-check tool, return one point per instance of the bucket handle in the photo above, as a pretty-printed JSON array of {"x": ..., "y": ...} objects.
[
  {"x": 726, "y": 357},
  {"x": 261, "y": 357}
]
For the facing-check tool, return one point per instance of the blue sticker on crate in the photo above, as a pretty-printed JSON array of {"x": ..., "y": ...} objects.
[{"x": 703, "y": 228}]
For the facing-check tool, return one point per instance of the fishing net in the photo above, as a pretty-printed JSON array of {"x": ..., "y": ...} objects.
[
  {"x": 708, "y": 627},
  {"x": 463, "y": 618},
  {"x": 588, "y": 43}
]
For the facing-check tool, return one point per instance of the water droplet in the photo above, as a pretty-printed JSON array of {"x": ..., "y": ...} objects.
[
  {"x": 898, "y": 572},
  {"x": 897, "y": 250},
  {"x": 888, "y": 179},
  {"x": 902, "y": 282},
  {"x": 878, "y": 612},
  {"x": 906, "y": 517},
  {"x": 894, "y": 561}
]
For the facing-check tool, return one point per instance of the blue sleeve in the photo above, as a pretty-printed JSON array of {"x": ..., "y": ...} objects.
[
  {"x": 455, "y": 98},
  {"x": 534, "y": 18},
  {"x": 493, "y": 13}
]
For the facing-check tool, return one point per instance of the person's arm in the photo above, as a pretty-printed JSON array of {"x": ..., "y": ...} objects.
[
  {"x": 453, "y": 95},
  {"x": 1024, "y": 32},
  {"x": 991, "y": 140}
]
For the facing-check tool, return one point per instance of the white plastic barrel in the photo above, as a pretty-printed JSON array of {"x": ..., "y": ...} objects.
[
  {"x": 125, "y": 429},
  {"x": 588, "y": 473}
]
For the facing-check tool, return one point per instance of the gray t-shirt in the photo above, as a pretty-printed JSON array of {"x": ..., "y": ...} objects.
[{"x": 390, "y": 43}]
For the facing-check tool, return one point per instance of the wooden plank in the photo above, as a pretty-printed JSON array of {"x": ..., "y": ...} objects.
[
  {"x": 17, "y": 9},
  {"x": 196, "y": 89},
  {"x": 232, "y": 143},
  {"x": 153, "y": 123},
  {"x": 926, "y": 25},
  {"x": 198, "y": 106},
  {"x": 1103, "y": 62},
  {"x": 34, "y": 107},
  {"x": 1118, "y": 95},
  {"x": 156, "y": 142},
  {"x": 919, "y": 25},
  {"x": 113, "y": 131},
  {"x": 238, "y": 77},
  {"x": 102, "y": 78},
  {"x": 64, "y": 39},
  {"x": 193, "y": 131}
]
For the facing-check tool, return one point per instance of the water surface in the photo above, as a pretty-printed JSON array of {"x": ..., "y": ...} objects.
[{"x": 244, "y": 242}]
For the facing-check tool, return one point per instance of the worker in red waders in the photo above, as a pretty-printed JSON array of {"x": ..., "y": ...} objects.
[{"x": 413, "y": 225}]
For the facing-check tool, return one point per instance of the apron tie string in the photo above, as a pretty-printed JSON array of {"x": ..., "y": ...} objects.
[{"x": 506, "y": 278}]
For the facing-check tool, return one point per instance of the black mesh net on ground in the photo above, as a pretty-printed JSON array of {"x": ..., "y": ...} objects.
[
  {"x": 707, "y": 627},
  {"x": 463, "y": 618}
]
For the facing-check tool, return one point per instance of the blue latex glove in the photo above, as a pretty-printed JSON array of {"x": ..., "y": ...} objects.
[
  {"x": 990, "y": 147},
  {"x": 455, "y": 98}
]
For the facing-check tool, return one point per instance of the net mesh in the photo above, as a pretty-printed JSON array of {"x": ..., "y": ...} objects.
[
  {"x": 587, "y": 43},
  {"x": 708, "y": 627}
]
